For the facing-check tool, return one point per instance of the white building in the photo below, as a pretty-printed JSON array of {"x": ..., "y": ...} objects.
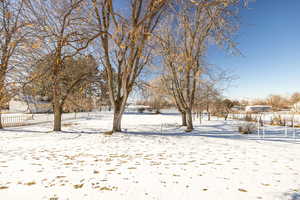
[
  {"x": 237, "y": 108},
  {"x": 258, "y": 108},
  {"x": 29, "y": 104},
  {"x": 136, "y": 108}
]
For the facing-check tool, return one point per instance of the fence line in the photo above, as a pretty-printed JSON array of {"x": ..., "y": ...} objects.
[
  {"x": 269, "y": 118},
  {"x": 31, "y": 119}
]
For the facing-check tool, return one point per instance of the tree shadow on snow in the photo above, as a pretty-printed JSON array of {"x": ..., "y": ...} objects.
[
  {"x": 227, "y": 131},
  {"x": 24, "y": 131},
  {"x": 150, "y": 113}
]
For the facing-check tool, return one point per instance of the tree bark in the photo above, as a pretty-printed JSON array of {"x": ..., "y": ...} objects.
[
  {"x": 117, "y": 121},
  {"x": 208, "y": 112},
  {"x": 208, "y": 115},
  {"x": 189, "y": 119},
  {"x": 1, "y": 126},
  {"x": 118, "y": 113},
  {"x": 2, "y": 92},
  {"x": 183, "y": 116},
  {"x": 57, "y": 107},
  {"x": 57, "y": 117},
  {"x": 226, "y": 116}
]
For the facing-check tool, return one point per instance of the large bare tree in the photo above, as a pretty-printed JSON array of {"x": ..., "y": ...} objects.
[{"x": 125, "y": 46}]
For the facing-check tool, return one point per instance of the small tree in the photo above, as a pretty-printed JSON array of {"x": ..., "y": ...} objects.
[
  {"x": 76, "y": 79},
  {"x": 228, "y": 104},
  {"x": 157, "y": 95}
]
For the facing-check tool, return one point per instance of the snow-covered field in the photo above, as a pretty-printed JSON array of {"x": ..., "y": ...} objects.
[{"x": 154, "y": 159}]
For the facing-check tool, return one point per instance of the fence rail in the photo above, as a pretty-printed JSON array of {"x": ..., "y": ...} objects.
[
  {"x": 269, "y": 118},
  {"x": 12, "y": 120}
]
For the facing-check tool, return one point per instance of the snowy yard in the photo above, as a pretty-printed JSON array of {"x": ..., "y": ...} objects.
[{"x": 149, "y": 161}]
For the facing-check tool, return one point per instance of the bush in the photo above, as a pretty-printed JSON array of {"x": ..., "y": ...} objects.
[
  {"x": 141, "y": 110},
  {"x": 248, "y": 117},
  {"x": 247, "y": 128},
  {"x": 277, "y": 120}
]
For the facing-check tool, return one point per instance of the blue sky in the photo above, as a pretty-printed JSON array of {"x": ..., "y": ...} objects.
[{"x": 269, "y": 39}]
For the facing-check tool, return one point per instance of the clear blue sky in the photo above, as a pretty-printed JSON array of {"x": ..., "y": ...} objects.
[{"x": 269, "y": 39}]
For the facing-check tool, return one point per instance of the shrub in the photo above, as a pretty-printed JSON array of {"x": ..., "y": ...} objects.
[
  {"x": 247, "y": 128},
  {"x": 141, "y": 110},
  {"x": 277, "y": 120},
  {"x": 248, "y": 117}
]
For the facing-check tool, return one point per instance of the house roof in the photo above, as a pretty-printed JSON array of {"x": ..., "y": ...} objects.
[{"x": 29, "y": 99}]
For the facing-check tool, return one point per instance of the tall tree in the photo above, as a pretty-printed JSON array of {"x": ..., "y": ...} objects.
[
  {"x": 125, "y": 45},
  {"x": 12, "y": 39},
  {"x": 183, "y": 42},
  {"x": 64, "y": 31}
]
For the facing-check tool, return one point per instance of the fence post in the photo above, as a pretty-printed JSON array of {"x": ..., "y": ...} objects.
[
  {"x": 286, "y": 130},
  {"x": 294, "y": 132},
  {"x": 258, "y": 133}
]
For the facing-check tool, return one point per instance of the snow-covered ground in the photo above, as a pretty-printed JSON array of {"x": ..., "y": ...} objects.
[{"x": 154, "y": 159}]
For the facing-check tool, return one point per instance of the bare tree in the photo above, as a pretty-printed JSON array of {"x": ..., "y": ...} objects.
[
  {"x": 125, "y": 46},
  {"x": 295, "y": 98},
  {"x": 157, "y": 94},
  {"x": 63, "y": 31},
  {"x": 183, "y": 43},
  {"x": 12, "y": 39},
  {"x": 277, "y": 102},
  {"x": 207, "y": 96}
]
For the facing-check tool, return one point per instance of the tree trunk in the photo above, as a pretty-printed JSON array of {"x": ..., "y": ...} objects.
[
  {"x": 208, "y": 112},
  {"x": 1, "y": 126},
  {"x": 57, "y": 117},
  {"x": 200, "y": 117},
  {"x": 183, "y": 116},
  {"x": 118, "y": 113},
  {"x": 117, "y": 122},
  {"x": 189, "y": 119},
  {"x": 2, "y": 95},
  {"x": 226, "y": 116}
]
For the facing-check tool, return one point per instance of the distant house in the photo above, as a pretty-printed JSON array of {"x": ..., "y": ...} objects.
[
  {"x": 237, "y": 108},
  {"x": 29, "y": 104},
  {"x": 258, "y": 108},
  {"x": 136, "y": 108},
  {"x": 296, "y": 107}
]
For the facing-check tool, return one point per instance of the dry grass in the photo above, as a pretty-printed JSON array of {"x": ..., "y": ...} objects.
[
  {"x": 108, "y": 133},
  {"x": 30, "y": 183},
  {"x": 78, "y": 186}
]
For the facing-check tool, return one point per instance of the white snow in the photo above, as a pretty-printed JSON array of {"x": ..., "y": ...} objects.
[{"x": 154, "y": 159}]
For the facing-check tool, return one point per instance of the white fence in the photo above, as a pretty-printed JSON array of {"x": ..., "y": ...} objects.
[
  {"x": 285, "y": 119},
  {"x": 272, "y": 125},
  {"x": 11, "y": 120}
]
